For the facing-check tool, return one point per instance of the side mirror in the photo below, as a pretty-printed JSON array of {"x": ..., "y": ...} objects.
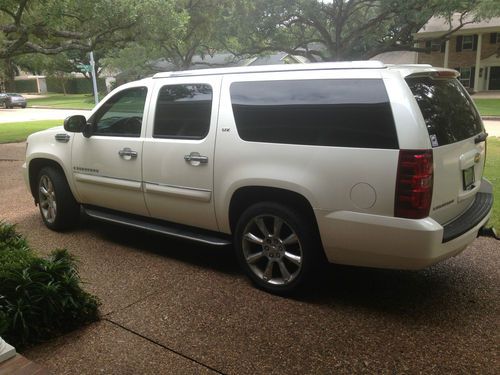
[{"x": 75, "y": 124}]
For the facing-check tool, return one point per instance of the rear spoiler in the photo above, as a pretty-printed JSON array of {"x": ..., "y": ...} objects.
[{"x": 436, "y": 74}]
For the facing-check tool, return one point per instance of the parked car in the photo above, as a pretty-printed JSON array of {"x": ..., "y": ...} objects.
[
  {"x": 9, "y": 100},
  {"x": 356, "y": 163}
]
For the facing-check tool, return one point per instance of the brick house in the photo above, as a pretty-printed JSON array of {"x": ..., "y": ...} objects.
[{"x": 473, "y": 50}]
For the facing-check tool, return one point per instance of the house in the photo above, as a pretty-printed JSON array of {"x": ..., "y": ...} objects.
[{"x": 473, "y": 50}]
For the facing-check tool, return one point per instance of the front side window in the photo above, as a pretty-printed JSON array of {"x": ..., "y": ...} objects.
[
  {"x": 183, "y": 111},
  {"x": 121, "y": 115},
  {"x": 329, "y": 112}
]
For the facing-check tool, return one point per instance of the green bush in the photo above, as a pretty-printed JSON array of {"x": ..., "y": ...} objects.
[
  {"x": 26, "y": 85},
  {"x": 75, "y": 85},
  {"x": 39, "y": 298}
]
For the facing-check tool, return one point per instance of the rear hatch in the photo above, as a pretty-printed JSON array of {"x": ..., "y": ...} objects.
[{"x": 458, "y": 140}]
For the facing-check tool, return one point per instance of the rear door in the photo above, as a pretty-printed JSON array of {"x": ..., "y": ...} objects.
[
  {"x": 457, "y": 136},
  {"x": 178, "y": 160}
]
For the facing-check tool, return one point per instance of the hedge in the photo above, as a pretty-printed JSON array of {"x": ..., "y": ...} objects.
[
  {"x": 25, "y": 85},
  {"x": 75, "y": 85},
  {"x": 39, "y": 297}
]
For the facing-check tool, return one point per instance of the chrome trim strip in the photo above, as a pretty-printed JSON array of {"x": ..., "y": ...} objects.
[
  {"x": 178, "y": 191},
  {"x": 109, "y": 181}
]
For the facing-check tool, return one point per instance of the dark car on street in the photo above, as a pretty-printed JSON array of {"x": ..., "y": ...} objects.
[{"x": 9, "y": 100}]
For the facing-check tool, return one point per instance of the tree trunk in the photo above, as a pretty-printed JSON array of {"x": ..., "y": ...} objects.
[{"x": 9, "y": 75}]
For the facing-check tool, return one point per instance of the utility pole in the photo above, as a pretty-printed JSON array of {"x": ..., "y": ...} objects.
[{"x": 94, "y": 80}]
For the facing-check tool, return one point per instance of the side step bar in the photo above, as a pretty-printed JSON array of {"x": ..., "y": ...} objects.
[{"x": 165, "y": 228}]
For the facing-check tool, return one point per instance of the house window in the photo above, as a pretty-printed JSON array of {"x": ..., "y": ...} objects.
[
  {"x": 494, "y": 38},
  {"x": 437, "y": 46},
  {"x": 465, "y": 76},
  {"x": 467, "y": 42}
]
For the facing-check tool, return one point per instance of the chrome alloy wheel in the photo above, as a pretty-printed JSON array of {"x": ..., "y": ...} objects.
[
  {"x": 47, "y": 199},
  {"x": 272, "y": 250}
]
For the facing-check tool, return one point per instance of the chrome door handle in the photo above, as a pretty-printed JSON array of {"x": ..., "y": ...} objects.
[
  {"x": 127, "y": 153},
  {"x": 195, "y": 158}
]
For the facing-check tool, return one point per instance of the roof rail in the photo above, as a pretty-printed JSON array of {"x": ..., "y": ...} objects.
[{"x": 372, "y": 64}]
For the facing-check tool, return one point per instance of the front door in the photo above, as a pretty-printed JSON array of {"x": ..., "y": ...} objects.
[
  {"x": 178, "y": 156},
  {"x": 107, "y": 165},
  {"x": 494, "y": 78}
]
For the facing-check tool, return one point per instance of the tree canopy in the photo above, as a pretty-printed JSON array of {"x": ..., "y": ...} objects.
[
  {"x": 130, "y": 34},
  {"x": 341, "y": 29}
]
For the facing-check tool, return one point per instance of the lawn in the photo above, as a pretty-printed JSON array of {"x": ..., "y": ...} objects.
[
  {"x": 71, "y": 101},
  {"x": 488, "y": 107},
  {"x": 19, "y": 131},
  {"x": 492, "y": 173}
]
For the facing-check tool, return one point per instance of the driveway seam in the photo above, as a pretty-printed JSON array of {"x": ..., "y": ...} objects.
[
  {"x": 131, "y": 304},
  {"x": 164, "y": 346}
]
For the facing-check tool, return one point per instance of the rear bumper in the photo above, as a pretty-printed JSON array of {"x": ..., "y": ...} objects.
[{"x": 388, "y": 242}]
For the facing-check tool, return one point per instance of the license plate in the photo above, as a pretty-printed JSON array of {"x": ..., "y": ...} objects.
[{"x": 468, "y": 175}]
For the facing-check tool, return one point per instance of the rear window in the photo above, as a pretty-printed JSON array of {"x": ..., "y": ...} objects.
[
  {"x": 335, "y": 112},
  {"x": 447, "y": 110}
]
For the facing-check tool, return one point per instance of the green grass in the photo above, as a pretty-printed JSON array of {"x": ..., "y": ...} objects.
[
  {"x": 492, "y": 173},
  {"x": 19, "y": 131},
  {"x": 488, "y": 107},
  {"x": 71, "y": 101}
]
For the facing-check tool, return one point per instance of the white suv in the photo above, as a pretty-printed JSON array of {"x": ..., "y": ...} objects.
[{"x": 359, "y": 163}]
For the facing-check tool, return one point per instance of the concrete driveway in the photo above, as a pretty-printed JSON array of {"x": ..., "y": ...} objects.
[{"x": 173, "y": 307}]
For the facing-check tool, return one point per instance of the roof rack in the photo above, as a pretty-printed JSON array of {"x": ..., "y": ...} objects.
[{"x": 372, "y": 64}]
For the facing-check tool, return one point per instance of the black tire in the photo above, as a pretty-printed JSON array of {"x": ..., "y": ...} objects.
[
  {"x": 58, "y": 207},
  {"x": 263, "y": 262}
]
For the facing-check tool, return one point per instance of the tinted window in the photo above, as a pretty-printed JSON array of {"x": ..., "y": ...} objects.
[
  {"x": 183, "y": 111},
  {"x": 448, "y": 112},
  {"x": 121, "y": 115},
  {"x": 342, "y": 112}
]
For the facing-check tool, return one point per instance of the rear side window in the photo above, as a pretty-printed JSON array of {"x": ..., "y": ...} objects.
[
  {"x": 336, "y": 112},
  {"x": 447, "y": 110},
  {"x": 183, "y": 112}
]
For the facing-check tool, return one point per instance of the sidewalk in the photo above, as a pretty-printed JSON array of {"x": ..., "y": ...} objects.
[{"x": 492, "y": 127}]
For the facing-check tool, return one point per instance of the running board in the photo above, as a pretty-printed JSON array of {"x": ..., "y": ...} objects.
[{"x": 165, "y": 228}]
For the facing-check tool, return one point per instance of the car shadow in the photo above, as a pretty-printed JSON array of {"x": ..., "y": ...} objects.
[
  {"x": 217, "y": 258},
  {"x": 428, "y": 295}
]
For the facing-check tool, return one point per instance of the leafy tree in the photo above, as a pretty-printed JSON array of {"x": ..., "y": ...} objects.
[
  {"x": 54, "y": 26},
  {"x": 341, "y": 29},
  {"x": 176, "y": 31}
]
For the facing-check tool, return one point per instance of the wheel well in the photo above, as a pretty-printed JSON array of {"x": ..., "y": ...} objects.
[
  {"x": 247, "y": 196},
  {"x": 35, "y": 167}
]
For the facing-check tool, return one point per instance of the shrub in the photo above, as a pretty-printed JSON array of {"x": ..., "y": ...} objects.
[{"x": 39, "y": 298}]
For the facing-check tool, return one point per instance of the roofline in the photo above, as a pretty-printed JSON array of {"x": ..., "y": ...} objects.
[
  {"x": 469, "y": 31},
  {"x": 371, "y": 64}
]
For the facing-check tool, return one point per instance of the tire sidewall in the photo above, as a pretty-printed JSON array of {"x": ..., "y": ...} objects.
[
  {"x": 67, "y": 208},
  {"x": 303, "y": 229}
]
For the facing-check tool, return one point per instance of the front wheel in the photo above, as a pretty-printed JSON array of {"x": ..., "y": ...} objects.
[
  {"x": 276, "y": 246},
  {"x": 58, "y": 207}
]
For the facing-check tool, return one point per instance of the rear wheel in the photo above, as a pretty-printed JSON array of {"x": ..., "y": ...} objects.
[
  {"x": 276, "y": 246},
  {"x": 58, "y": 207}
]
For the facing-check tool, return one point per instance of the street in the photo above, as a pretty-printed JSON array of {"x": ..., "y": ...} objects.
[
  {"x": 175, "y": 307},
  {"x": 33, "y": 114}
]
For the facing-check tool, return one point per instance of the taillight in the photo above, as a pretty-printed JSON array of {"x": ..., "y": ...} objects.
[{"x": 414, "y": 184}]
